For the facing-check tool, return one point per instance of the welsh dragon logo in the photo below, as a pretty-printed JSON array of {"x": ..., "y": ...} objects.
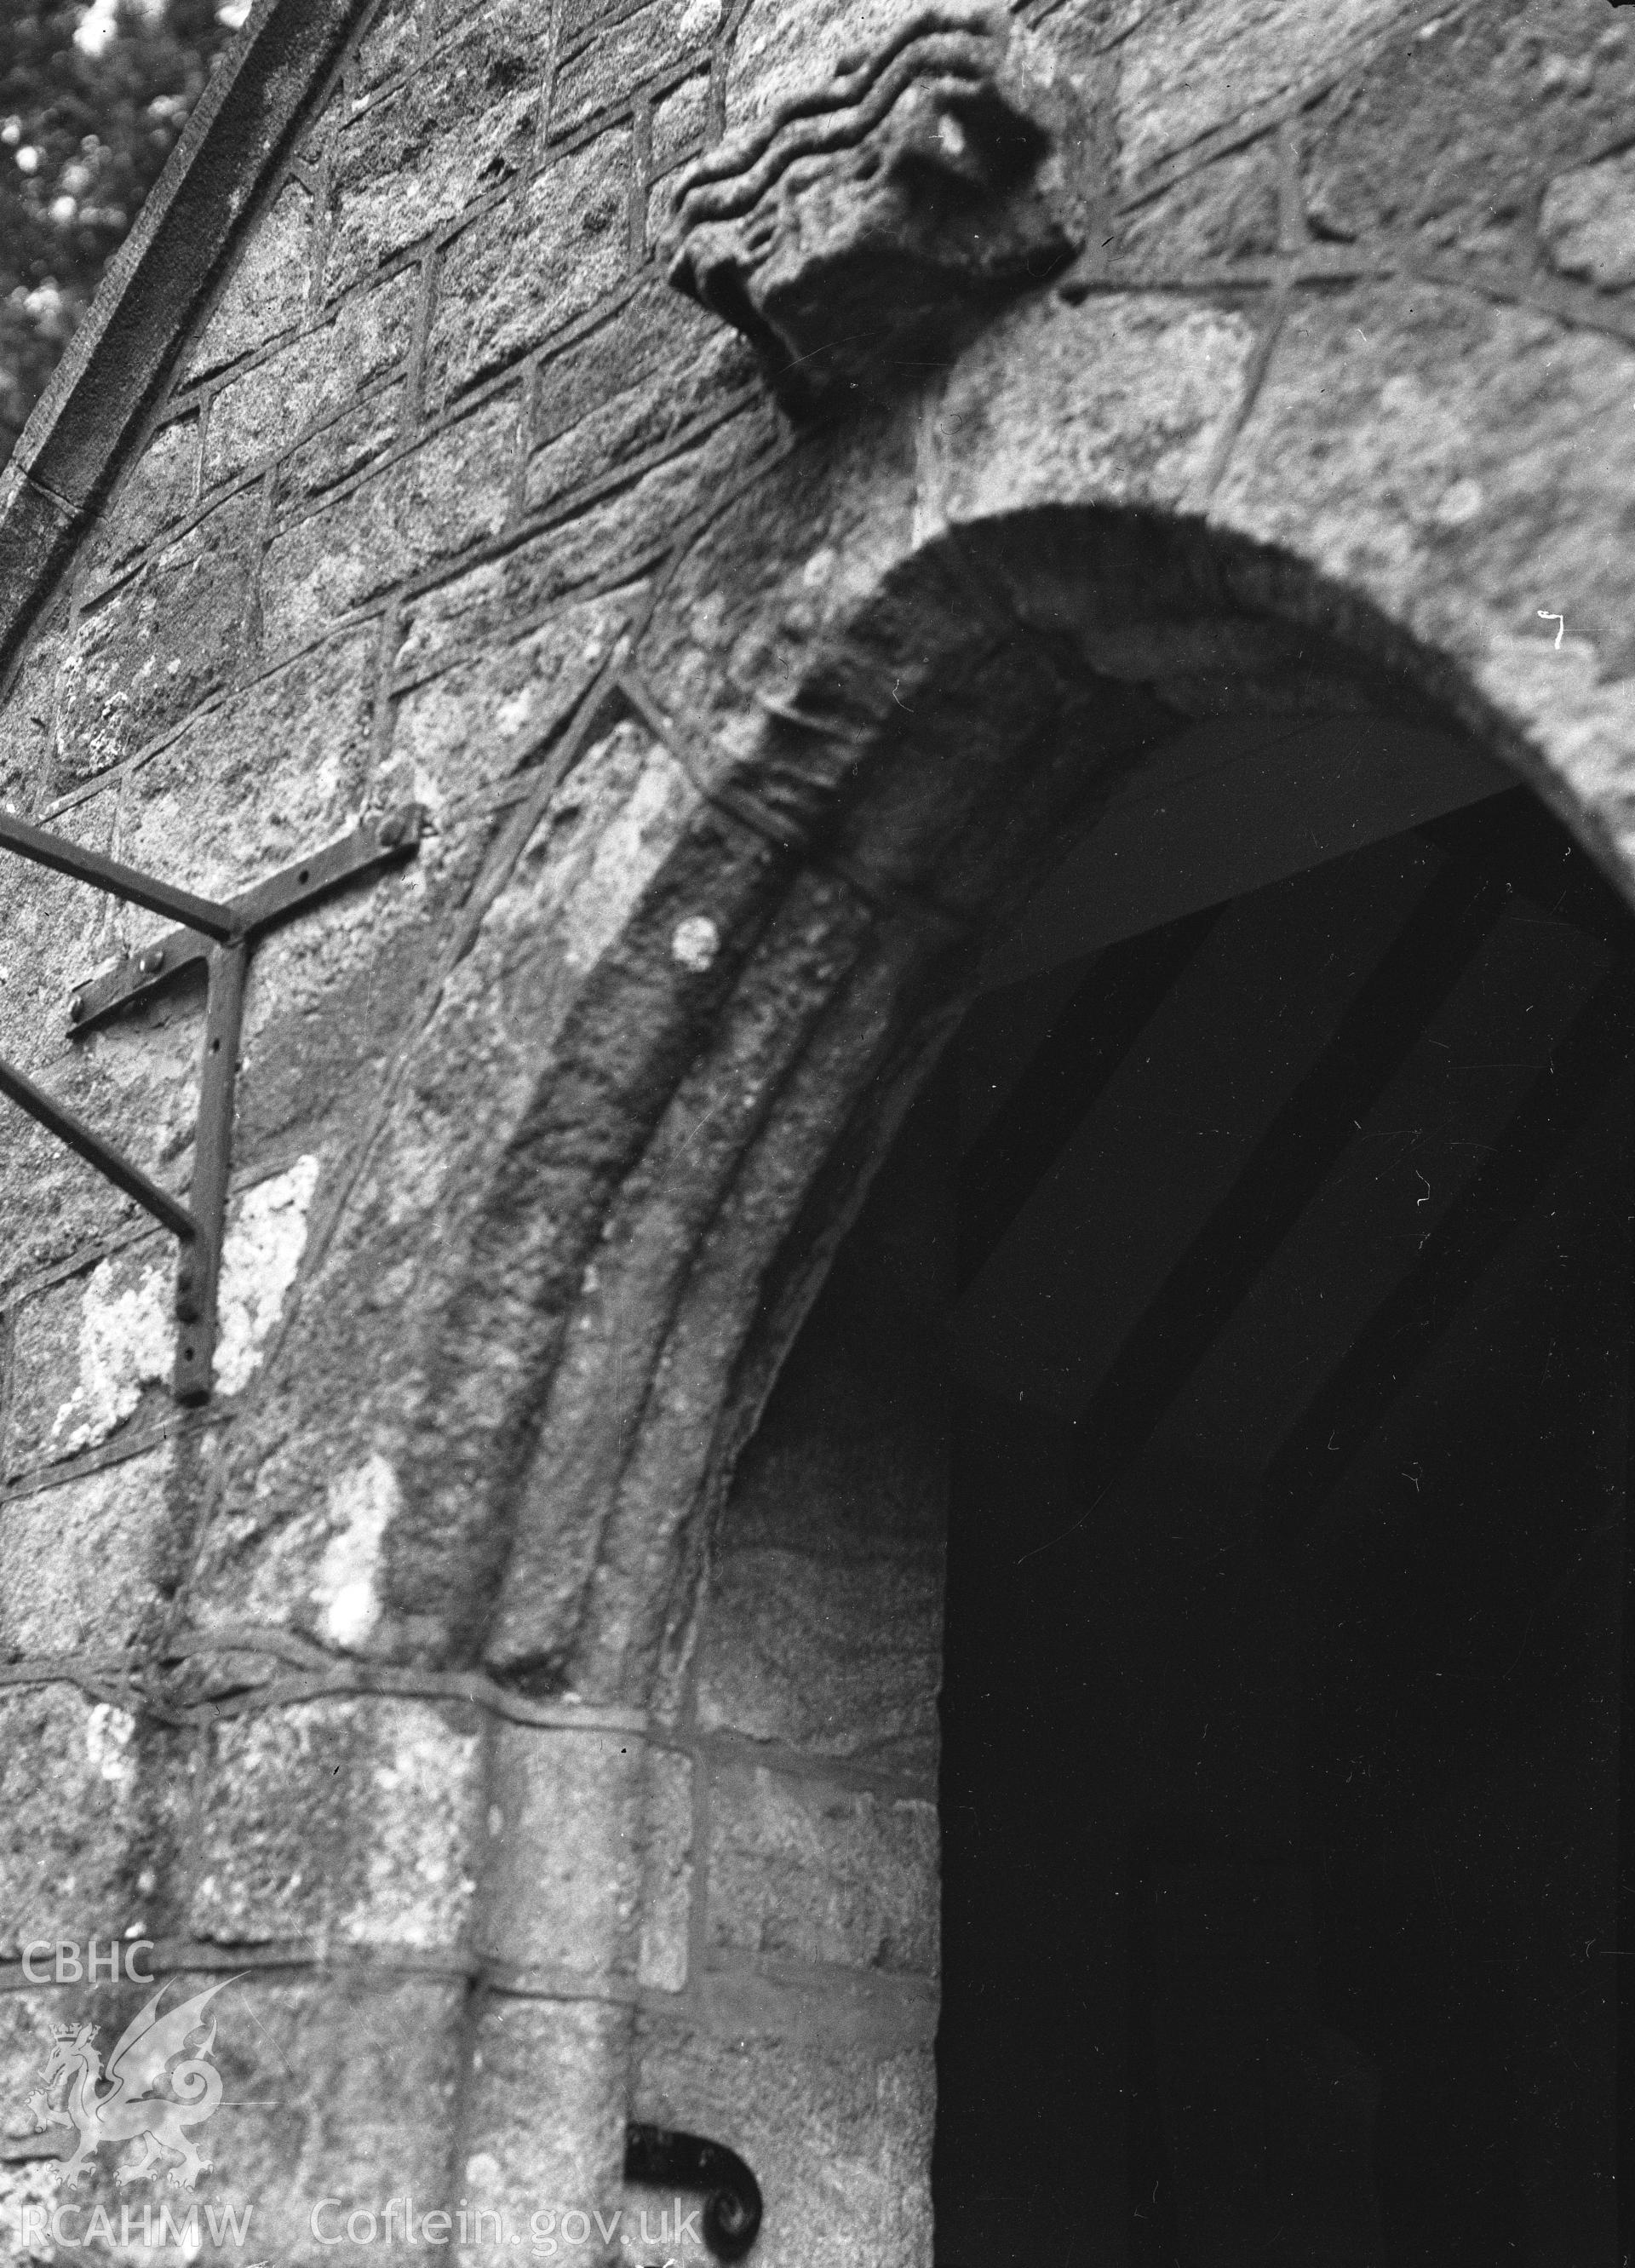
[{"x": 128, "y": 2112}]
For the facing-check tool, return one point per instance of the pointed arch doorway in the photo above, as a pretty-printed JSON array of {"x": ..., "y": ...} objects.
[
  {"x": 1288, "y": 1348},
  {"x": 859, "y": 826}
]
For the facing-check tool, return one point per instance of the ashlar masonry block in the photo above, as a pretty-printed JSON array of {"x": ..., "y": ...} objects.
[
  {"x": 1227, "y": 212},
  {"x": 519, "y": 274},
  {"x": 461, "y": 127},
  {"x": 784, "y": 47},
  {"x": 154, "y": 648},
  {"x": 83, "y": 1563},
  {"x": 254, "y": 416},
  {"x": 351, "y": 1821},
  {"x": 472, "y": 724},
  {"x": 253, "y": 785},
  {"x": 84, "y": 1352},
  {"x": 360, "y": 437},
  {"x": 266, "y": 293},
  {"x": 428, "y": 505},
  {"x": 563, "y": 1865},
  {"x": 1452, "y": 132},
  {"x": 545, "y": 2122},
  {"x": 28, "y": 716},
  {"x": 57, "y": 931},
  {"x": 157, "y": 492},
  {"x": 630, "y": 386},
  {"x": 1188, "y": 69},
  {"x": 668, "y": 1871},
  {"x": 601, "y": 72},
  {"x": 680, "y": 122},
  {"x": 78, "y": 1816},
  {"x": 610, "y": 539},
  {"x": 806, "y": 1871},
  {"x": 834, "y": 1657},
  {"x": 391, "y": 45},
  {"x": 348, "y": 2081}
]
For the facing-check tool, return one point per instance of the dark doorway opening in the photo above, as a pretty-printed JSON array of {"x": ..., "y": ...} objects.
[{"x": 1285, "y": 1637}]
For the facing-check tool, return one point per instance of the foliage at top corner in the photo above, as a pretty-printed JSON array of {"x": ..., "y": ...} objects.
[{"x": 92, "y": 99}]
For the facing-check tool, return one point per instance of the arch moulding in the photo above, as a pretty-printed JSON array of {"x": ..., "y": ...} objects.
[{"x": 897, "y": 672}]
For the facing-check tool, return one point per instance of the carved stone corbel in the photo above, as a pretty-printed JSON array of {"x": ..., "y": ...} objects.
[{"x": 855, "y": 235}]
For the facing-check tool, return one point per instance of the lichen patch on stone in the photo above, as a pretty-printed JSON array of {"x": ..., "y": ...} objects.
[
  {"x": 263, "y": 1251},
  {"x": 108, "y": 1734},
  {"x": 361, "y": 1503},
  {"x": 126, "y": 1342}
]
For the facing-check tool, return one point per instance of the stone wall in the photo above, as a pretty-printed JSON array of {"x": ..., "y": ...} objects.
[
  {"x": 790, "y": 1940},
  {"x": 734, "y": 732}
]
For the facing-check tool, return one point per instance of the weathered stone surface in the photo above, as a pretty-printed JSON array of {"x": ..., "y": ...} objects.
[
  {"x": 347, "y": 2084},
  {"x": 514, "y": 278},
  {"x": 563, "y": 1867},
  {"x": 26, "y": 2024},
  {"x": 609, "y": 539},
  {"x": 880, "y": 214},
  {"x": 159, "y": 644},
  {"x": 780, "y": 569},
  {"x": 266, "y": 1236},
  {"x": 159, "y": 491},
  {"x": 83, "y": 1565},
  {"x": 358, "y": 438},
  {"x": 62, "y": 1210},
  {"x": 460, "y": 128},
  {"x": 836, "y": 1660},
  {"x": 500, "y": 1014},
  {"x": 644, "y": 1286},
  {"x": 267, "y": 292},
  {"x": 1153, "y": 389},
  {"x": 453, "y": 492},
  {"x": 56, "y": 934},
  {"x": 1454, "y": 460},
  {"x": 801, "y": 1870},
  {"x": 474, "y": 723},
  {"x": 361, "y": 1503},
  {"x": 1481, "y": 485},
  {"x": 359, "y": 1822},
  {"x": 628, "y": 387},
  {"x": 1227, "y": 211},
  {"x": 544, "y": 2129},
  {"x": 640, "y": 42},
  {"x": 257, "y": 416},
  {"x": 1451, "y": 133},
  {"x": 1587, "y": 223},
  {"x": 29, "y": 717},
  {"x": 680, "y": 122},
  {"x": 331, "y": 999},
  {"x": 1186, "y": 69},
  {"x": 666, "y": 1872},
  {"x": 83, "y": 1353},
  {"x": 246, "y": 789},
  {"x": 76, "y": 1818},
  {"x": 390, "y": 47}
]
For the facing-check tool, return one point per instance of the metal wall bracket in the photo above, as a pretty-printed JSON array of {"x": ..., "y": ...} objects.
[{"x": 218, "y": 937}]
